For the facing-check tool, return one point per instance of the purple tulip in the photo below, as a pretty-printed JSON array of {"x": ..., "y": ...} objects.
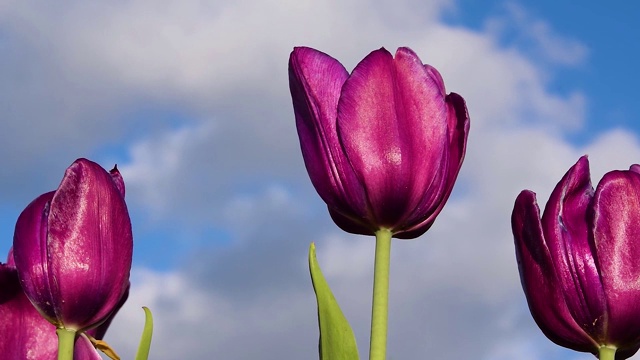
[
  {"x": 73, "y": 248},
  {"x": 382, "y": 146},
  {"x": 24, "y": 333},
  {"x": 579, "y": 264}
]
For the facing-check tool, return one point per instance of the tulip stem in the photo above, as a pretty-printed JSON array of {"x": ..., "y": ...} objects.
[
  {"x": 606, "y": 353},
  {"x": 66, "y": 343},
  {"x": 380, "y": 308}
]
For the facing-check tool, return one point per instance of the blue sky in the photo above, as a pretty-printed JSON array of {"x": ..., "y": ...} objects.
[{"x": 190, "y": 99}]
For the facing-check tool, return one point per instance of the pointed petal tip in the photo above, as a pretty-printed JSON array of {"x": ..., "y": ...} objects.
[
  {"x": 460, "y": 107},
  {"x": 526, "y": 195},
  {"x": 116, "y": 176}
]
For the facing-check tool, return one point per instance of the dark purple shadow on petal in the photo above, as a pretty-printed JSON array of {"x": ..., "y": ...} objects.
[
  {"x": 458, "y": 126},
  {"x": 30, "y": 254},
  {"x": 117, "y": 179},
  {"x": 541, "y": 286},
  {"x": 568, "y": 237},
  {"x": 315, "y": 81},
  {"x": 101, "y": 330}
]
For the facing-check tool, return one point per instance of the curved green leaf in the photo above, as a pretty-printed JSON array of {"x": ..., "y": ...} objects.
[
  {"x": 147, "y": 333},
  {"x": 337, "y": 341}
]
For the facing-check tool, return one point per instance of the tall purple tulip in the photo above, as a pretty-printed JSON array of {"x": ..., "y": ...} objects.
[
  {"x": 73, "y": 248},
  {"x": 579, "y": 264},
  {"x": 383, "y": 145}
]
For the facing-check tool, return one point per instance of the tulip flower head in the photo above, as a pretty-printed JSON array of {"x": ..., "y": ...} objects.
[
  {"x": 383, "y": 145},
  {"x": 579, "y": 263},
  {"x": 73, "y": 248}
]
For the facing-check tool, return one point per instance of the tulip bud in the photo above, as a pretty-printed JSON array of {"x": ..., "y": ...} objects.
[
  {"x": 579, "y": 262},
  {"x": 383, "y": 145},
  {"x": 73, "y": 248}
]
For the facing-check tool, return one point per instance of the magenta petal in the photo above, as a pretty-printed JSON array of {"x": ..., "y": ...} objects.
[
  {"x": 73, "y": 249},
  {"x": 315, "y": 81},
  {"x": 617, "y": 235},
  {"x": 84, "y": 350},
  {"x": 30, "y": 253},
  {"x": 22, "y": 329},
  {"x": 24, "y": 333},
  {"x": 383, "y": 146},
  {"x": 99, "y": 331},
  {"x": 567, "y": 234},
  {"x": 392, "y": 121},
  {"x": 591, "y": 241},
  {"x": 458, "y": 125},
  {"x": 539, "y": 280},
  {"x": 117, "y": 179}
]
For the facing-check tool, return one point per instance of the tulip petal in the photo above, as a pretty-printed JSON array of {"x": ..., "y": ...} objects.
[
  {"x": 30, "y": 254},
  {"x": 392, "y": 121},
  {"x": 616, "y": 219},
  {"x": 458, "y": 125},
  {"x": 567, "y": 233},
  {"x": 117, "y": 179},
  {"x": 537, "y": 275},
  {"x": 99, "y": 331},
  {"x": 315, "y": 81},
  {"x": 84, "y": 350},
  {"x": 24, "y": 333}
]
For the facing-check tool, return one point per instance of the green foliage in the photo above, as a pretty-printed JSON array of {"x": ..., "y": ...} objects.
[
  {"x": 147, "y": 333},
  {"x": 337, "y": 341}
]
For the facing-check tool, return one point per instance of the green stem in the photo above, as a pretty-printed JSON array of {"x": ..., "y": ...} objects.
[
  {"x": 606, "y": 353},
  {"x": 66, "y": 342},
  {"x": 380, "y": 309}
]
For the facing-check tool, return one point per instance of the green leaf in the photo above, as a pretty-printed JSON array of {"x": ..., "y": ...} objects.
[
  {"x": 147, "y": 333},
  {"x": 337, "y": 341}
]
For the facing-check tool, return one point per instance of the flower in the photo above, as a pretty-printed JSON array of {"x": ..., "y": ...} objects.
[
  {"x": 24, "y": 333},
  {"x": 579, "y": 263},
  {"x": 383, "y": 145},
  {"x": 73, "y": 248}
]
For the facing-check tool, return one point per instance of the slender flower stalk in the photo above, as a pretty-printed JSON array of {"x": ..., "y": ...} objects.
[
  {"x": 380, "y": 308},
  {"x": 606, "y": 353},
  {"x": 66, "y": 340}
]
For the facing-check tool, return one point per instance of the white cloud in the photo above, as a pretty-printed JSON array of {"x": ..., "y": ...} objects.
[{"x": 236, "y": 164}]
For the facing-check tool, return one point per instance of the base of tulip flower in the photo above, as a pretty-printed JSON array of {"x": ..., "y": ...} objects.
[
  {"x": 606, "y": 353},
  {"x": 66, "y": 343},
  {"x": 380, "y": 308}
]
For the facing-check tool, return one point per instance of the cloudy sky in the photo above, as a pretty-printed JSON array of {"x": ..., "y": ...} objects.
[{"x": 190, "y": 98}]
